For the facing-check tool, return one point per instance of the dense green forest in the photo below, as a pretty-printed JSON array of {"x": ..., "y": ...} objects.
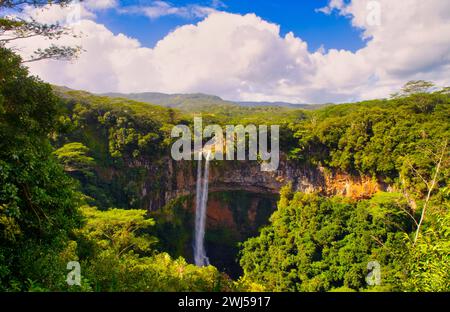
[
  {"x": 46, "y": 221},
  {"x": 58, "y": 147}
]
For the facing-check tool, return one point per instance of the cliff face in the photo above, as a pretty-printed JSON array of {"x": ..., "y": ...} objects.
[
  {"x": 241, "y": 201},
  {"x": 171, "y": 179}
]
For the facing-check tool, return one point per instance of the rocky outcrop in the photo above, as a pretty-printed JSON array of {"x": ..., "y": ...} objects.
[
  {"x": 242, "y": 197},
  {"x": 171, "y": 179}
]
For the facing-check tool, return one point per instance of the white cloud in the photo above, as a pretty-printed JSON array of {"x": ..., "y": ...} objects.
[
  {"x": 162, "y": 8},
  {"x": 100, "y": 4},
  {"x": 52, "y": 14},
  {"x": 72, "y": 13},
  {"x": 245, "y": 58},
  {"x": 412, "y": 40},
  {"x": 332, "y": 5}
]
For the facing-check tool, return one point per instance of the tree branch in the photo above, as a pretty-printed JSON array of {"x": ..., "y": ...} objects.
[{"x": 430, "y": 190}]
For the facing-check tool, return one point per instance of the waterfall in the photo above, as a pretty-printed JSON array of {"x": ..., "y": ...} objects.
[{"x": 200, "y": 212}]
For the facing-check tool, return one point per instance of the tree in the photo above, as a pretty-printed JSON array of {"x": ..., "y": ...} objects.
[
  {"x": 15, "y": 27},
  {"x": 316, "y": 243},
  {"x": 38, "y": 201},
  {"x": 74, "y": 157},
  {"x": 429, "y": 262},
  {"x": 117, "y": 229},
  {"x": 20, "y": 3},
  {"x": 117, "y": 256},
  {"x": 417, "y": 86},
  {"x": 439, "y": 157}
]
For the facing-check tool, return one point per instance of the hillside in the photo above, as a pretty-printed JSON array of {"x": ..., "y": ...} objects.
[{"x": 201, "y": 102}]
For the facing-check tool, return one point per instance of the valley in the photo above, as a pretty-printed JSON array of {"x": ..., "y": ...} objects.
[
  {"x": 224, "y": 147},
  {"x": 92, "y": 179}
]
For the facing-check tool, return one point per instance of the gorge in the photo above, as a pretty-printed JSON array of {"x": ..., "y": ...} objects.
[
  {"x": 333, "y": 151},
  {"x": 241, "y": 200},
  {"x": 102, "y": 189}
]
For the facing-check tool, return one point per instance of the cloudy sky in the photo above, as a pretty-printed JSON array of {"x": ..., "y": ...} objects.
[{"x": 301, "y": 51}]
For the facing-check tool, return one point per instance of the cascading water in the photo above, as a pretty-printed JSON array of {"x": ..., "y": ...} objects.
[{"x": 200, "y": 212}]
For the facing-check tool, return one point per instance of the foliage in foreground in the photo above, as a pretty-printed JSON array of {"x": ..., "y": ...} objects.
[
  {"x": 325, "y": 244},
  {"x": 38, "y": 201},
  {"x": 116, "y": 255}
]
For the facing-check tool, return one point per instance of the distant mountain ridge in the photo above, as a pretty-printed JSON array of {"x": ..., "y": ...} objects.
[
  {"x": 199, "y": 101},
  {"x": 280, "y": 104},
  {"x": 184, "y": 102}
]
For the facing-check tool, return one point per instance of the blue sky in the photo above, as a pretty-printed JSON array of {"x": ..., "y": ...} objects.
[{"x": 297, "y": 16}]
